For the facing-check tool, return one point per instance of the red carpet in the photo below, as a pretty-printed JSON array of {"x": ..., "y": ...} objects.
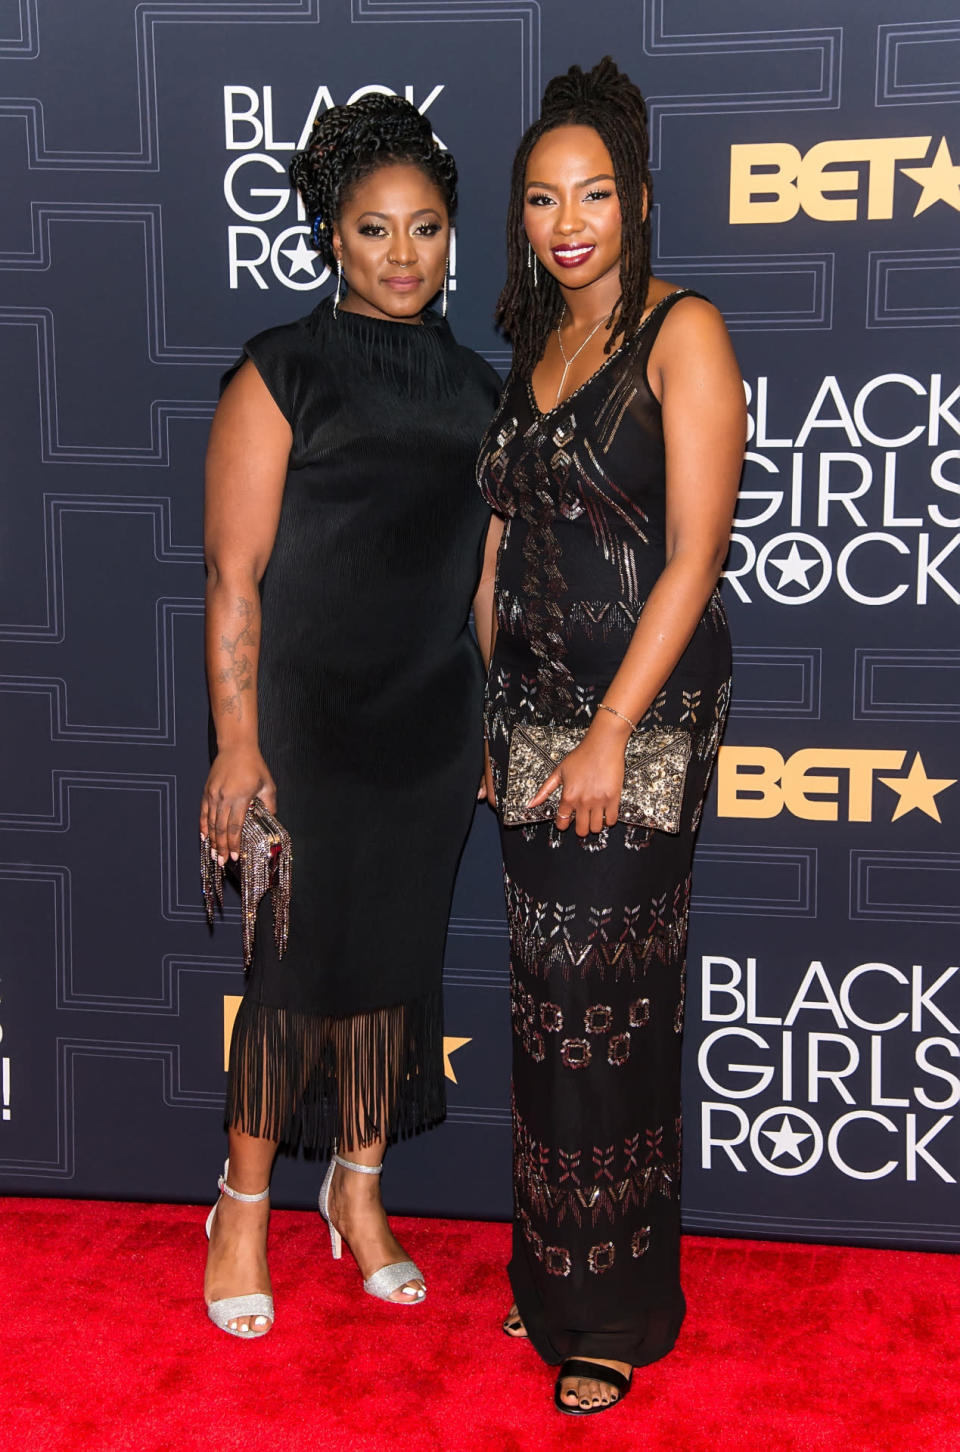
[{"x": 107, "y": 1347}]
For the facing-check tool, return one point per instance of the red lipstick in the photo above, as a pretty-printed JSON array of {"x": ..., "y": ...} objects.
[{"x": 573, "y": 254}]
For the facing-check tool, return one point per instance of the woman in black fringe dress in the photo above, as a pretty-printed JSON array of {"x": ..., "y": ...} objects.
[
  {"x": 613, "y": 460},
  {"x": 344, "y": 544}
]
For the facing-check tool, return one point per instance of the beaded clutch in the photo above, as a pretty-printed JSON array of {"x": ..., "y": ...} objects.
[
  {"x": 265, "y": 865},
  {"x": 655, "y": 769}
]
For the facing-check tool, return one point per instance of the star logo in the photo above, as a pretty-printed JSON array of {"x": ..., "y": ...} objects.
[
  {"x": 786, "y": 1140},
  {"x": 794, "y": 556},
  {"x": 231, "y": 1003},
  {"x": 917, "y": 791},
  {"x": 450, "y": 1046},
  {"x": 940, "y": 181},
  {"x": 785, "y": 1155},
  {"x": 294, "y": 262},
  {"x": 302, "y": 258},
  {"x": 793, "y": 568}
]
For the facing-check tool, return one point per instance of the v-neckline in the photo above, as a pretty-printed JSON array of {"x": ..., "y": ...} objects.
[{"x": 546, "y": 413}]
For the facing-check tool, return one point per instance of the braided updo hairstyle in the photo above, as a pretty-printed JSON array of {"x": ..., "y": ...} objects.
[
  {"x": 349, "y": 143},
  {"x": 607, "y": 100}
]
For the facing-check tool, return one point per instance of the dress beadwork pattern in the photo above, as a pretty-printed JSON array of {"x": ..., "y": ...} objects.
[{"x": 598, "y": 925}]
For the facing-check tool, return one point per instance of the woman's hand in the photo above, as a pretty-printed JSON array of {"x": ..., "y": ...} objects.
[
  {"x": 591, "y": 778},
  {"x": 237, "y": 775},
  {"x": 486, "y": 792}
]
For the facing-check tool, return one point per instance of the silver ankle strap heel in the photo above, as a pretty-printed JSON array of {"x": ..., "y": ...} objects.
[
  {"x": 388, "y": 1278},
  {"x": 360, "y": 1169},
  {"x": 234, "y": 1308}
]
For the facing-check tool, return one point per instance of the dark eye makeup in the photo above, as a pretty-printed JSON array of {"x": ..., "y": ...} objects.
[
  {"x": 543, "y": 199},
  {"x": 377, "y": 229}
]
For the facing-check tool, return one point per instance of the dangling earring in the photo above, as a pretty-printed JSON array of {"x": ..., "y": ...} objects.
[
  {"x": 336, "y": 296},
  {"x": 532, "y": 262},
  {"x": 446, "y": 280}
]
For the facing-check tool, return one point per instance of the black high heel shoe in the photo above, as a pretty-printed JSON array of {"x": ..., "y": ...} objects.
[{"x": 595, "y": 1371}]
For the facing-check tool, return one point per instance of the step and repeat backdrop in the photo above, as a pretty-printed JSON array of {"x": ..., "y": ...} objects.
[{"x": 808, "y": 180}]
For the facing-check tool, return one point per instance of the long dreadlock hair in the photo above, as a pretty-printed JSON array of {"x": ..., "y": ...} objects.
[
  {"x": 348, "y": 143},
  {"x": 607, "y": 100}
]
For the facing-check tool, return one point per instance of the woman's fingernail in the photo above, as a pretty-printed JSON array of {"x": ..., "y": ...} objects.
[
  {"x": 222, "y": 861},
  {"x": 234, "y": 856}
]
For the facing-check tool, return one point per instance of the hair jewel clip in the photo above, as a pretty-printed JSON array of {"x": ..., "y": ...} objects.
[{"x": 319, "y": 225}]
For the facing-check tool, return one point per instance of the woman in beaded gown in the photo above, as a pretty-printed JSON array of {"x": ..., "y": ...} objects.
[
  {"x": 613, "y": 463},
  {"x": 344, "y": 538}
]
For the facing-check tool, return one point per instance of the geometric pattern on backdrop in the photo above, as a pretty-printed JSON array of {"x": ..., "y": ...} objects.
[{"x": 807, "y": 179}]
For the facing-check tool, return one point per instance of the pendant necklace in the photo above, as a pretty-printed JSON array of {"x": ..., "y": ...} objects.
[{"x": 573, "y": 358}]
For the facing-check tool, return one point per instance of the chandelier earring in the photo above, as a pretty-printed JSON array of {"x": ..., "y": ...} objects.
[
  {"x": 336, "y": 296},
  {"x": 532, "y": 262},
  {"x": 446, "y": 285}
]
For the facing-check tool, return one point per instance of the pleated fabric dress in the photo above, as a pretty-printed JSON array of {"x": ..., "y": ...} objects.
[
  {"x": 370, "y": 719},
  {"x": 597, "y": 925}
]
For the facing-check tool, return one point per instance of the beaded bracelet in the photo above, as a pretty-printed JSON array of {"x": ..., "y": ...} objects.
[{"x": 602, "y": 706}]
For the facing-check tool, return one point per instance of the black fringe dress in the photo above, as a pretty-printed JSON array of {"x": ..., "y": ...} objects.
[
  {"x": 369, "y": 699},
  {"x": 598, "y": 925}
]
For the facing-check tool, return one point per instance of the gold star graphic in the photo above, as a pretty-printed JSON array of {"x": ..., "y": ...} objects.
[
  {"x": 231, "y": 1005},
  {"x": 916, "y": 790},
  {"x": 450, "y": 1046},
  {"x": 940, "y": 180}
]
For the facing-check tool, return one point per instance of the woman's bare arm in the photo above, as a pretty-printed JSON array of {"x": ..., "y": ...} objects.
[
  {"x": 694, "y": 372},
  {"x": 485, "y": 621},
  {"x": 484, "y": 611},
  {"x": 246, "y": 467}
]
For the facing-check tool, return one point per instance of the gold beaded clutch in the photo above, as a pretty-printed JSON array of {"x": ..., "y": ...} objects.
[
  {"x": 655, "y": 769},
  {"x": 265, "y": 865}
]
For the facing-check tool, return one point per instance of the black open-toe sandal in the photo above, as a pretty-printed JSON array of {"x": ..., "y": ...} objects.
[
  {"x": 596, "y": 1372},
  {"x": 514, "y": 1328}
]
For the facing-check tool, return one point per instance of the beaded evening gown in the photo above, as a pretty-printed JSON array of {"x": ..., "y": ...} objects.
[
  {"x": 597, "y": 925},
  {"x": 370, "y": 705}
]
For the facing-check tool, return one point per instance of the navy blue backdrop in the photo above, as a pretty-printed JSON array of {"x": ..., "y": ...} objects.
[{"x": 808, "y": 180}]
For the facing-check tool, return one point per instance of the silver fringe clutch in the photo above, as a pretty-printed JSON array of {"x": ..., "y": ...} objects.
[
  {"x": 265, "y": 865},
  {"x": 655, "y": 769}
]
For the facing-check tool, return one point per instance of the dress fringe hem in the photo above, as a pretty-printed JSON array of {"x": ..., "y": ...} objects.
[{"x": 313, "y": 1080}]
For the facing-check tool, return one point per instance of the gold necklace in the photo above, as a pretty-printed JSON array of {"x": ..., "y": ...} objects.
[{"x": 573, "y": 358}]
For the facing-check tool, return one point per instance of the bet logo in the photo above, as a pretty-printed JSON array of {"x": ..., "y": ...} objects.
[
  {"x": 772, "y": 181},
  {"x": 815, "y": 783}
]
